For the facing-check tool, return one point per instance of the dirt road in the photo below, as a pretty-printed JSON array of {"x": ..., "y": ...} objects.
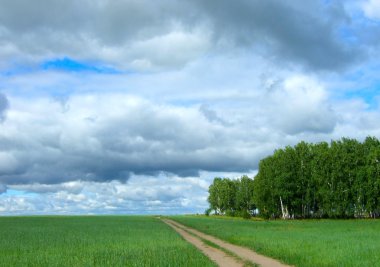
[
  {"x": 216, "y": 255},
  {"x": 221, "y": 258}
]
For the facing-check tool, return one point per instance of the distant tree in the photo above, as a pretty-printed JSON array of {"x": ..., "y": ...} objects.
[
  {"x": 214, "y": 197},
  {"x": 371, "y": 187},
  {"x": 321, "y": 168},
  {"x": 264, "y": 183},
  {"x": 222, "y": 196},
  {"x": 232, "y": 197},
  {"x": 244, "y": 196},
  {"x": 228, "y": 194}
]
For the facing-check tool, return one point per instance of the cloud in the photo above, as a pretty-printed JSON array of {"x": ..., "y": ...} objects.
[
  {"x": 173, "y": 49},
  {"x": 371, "y": 9},
  {"x": 112, "y": 136},
  {"x": 74, "y": 187},
  {"x": 170, "y": 34},
  {"x": 106, "y": 137},
  {"x": 290, "y": 36},
  {"x": 302, "y": 106},
  {"x": 211, "y": 115},
  {"x": 3, "y": 189},
  {"x": 4, "y": 105},
  {"x": 120, "y": 33},
  {"x": 163, "y": 194}
]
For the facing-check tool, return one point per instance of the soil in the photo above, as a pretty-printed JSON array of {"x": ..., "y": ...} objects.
[
  {"x": 220, "y": 257},
  {"x": 216, "y": 255}
]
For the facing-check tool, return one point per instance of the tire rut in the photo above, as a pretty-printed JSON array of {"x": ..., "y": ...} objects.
[
  {"x": 218, "y": 256},
  {"x": 242, "y": 252}
]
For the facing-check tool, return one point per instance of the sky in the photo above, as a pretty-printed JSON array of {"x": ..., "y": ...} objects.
[{"x": 134, "y": 106}]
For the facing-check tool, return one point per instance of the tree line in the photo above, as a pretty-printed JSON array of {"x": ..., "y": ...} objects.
[{"x": 340, "y": 179}]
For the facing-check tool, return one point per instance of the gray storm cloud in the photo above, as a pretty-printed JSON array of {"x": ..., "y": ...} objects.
[
  {"x": 290, "y": 29},
  {"x": 125, "y": 33},
  {"x": 134, "y": 137},
  {"x": 4, "y": 105},
  {"x": 3, "y": 188}
]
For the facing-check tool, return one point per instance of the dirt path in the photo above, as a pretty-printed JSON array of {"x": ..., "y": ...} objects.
[
  {"x": 218, "y": 256},
  {"x": 241, "y": 252}
]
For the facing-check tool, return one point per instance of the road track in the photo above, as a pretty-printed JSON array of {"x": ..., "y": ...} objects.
[{"x": 195, "y": 237}]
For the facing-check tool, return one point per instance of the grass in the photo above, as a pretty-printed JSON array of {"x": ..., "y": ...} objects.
[
  {"x": 94, "y": 241},
  {"x": 302, "y": 243}
]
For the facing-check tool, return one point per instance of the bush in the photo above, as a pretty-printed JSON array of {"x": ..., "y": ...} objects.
[
  {"x": 208, "y": 211},
  {"x": 230, "y": 213},
  {"x": 244, "y": 214}
]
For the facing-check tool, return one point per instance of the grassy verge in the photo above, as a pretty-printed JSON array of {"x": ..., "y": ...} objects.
[
  {"x": 94, "y": 241},
  {"x": 300, "y": 243}
]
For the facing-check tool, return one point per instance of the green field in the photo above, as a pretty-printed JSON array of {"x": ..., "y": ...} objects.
[
  {"x": 302, "y": 243},
  {"x": 93, "y": 241}
]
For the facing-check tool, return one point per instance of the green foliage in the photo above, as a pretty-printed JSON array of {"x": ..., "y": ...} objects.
[
  {"x": 244, "y": 196},
  {"x": 340, "y": 180},
  {"x": 94, "y": 241},
  {"x": 232, "y": 197},
  {"x": 308, "y": 243},
  {"x": 336, "y": 180}
]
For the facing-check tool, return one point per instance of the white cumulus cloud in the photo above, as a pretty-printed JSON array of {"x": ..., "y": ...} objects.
[{"x": 371, "y": 9}]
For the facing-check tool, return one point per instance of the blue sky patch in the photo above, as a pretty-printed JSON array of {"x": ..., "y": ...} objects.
[
  {"x": 13, "y": 192},
  {"x": 369, "y": 95},
  {"x": 71, "y": 65}
]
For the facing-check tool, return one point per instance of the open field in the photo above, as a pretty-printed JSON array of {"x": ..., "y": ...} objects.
[
  {"x": 93, "y": 241},
  {"x": 301, "y": 243}
]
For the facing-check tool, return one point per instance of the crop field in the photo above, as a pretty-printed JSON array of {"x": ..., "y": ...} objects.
[
  {"x": 93, "y": 241},
  {"x": 300, "y": 242}
]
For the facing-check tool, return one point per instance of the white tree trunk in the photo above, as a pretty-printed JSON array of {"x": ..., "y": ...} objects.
[{"x": 284, "y": 210}]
